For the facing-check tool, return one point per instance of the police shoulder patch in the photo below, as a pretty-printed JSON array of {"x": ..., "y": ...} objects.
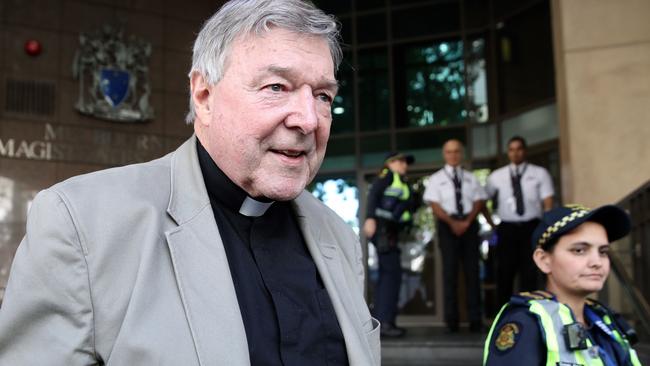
[{"x": 508, "y": 336}]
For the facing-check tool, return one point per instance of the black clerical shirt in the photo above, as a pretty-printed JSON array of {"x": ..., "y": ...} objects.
[{"x": 287, "y": 313}]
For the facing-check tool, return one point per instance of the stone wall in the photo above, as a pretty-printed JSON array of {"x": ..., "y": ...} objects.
[{"x": 602, "y": 51}]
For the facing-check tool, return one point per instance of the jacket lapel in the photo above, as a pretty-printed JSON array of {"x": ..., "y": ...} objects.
[
  {"x": 203, "y": 275},
  {"x": 328, "y": 260},
  {"x": 201, "y": 267}
]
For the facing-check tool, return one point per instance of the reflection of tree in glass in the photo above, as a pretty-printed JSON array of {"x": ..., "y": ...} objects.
[
  {"x": 477, "y": 108},
  {"x": 435, "y": 87},
  {"x": 342, "y": 105},
  {"x": 423, "y": 222},
  {"x": 374, "y": 95}
]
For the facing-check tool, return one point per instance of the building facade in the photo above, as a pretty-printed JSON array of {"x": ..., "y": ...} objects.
[{"x": 416, "y": 73}]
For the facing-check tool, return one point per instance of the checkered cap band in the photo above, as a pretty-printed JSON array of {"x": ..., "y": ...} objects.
[{"x": 578, "y": 212}]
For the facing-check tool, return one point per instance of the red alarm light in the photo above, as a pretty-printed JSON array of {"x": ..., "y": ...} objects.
[{"x": 33, "y": 47}]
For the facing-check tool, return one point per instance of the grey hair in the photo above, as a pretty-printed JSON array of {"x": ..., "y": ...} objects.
[{"x": 244, "y": 17}]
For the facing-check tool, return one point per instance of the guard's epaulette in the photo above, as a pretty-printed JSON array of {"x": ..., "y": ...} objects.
[
  {"x": 598, "y": 306},
  {"x": 523, "y": 298}
]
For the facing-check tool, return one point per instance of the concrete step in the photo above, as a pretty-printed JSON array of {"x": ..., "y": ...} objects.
[{"x": 432, "y": 346}]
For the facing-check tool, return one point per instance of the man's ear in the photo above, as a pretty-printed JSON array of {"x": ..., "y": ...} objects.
[
  {"x": 542, "y": 259},
  {"x": 200, "y": 93}
]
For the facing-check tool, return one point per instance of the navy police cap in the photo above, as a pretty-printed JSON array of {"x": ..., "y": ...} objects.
[
  {"x": 410, "y": 159},
  {"x": 561, "y": 220}
]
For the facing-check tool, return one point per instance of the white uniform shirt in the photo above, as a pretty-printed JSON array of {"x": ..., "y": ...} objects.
[
  {"x": 536, "y": 185},
  {"x": 440, "y": 189}
]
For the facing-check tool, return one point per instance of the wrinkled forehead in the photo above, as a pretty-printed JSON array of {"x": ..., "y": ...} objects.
[{"x": 252, "y": 37}]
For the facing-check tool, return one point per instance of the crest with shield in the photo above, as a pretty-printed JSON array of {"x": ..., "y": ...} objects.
[{"x": 113, "y": 76}]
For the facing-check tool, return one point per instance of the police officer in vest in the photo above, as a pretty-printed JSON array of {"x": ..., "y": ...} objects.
[
  {"x": 456, "y": 198},
  {"x": 390, "y": 204},
  {"x": 561, "y": 326}
]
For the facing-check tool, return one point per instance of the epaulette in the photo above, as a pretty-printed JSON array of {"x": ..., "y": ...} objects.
[
  {"x": 598, "y": 307},
  {"x": 523, "y": 298}
]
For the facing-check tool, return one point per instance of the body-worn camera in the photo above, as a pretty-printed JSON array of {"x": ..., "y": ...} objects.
[{"x": 575, "y": 336}]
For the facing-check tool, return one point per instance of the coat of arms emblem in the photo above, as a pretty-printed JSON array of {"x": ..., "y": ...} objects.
[{"x": 113, "y": 76}]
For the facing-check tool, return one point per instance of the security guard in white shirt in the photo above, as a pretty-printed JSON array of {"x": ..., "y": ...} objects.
[
  {"x": 456, "y": 198},
  {"x": 521, "y": 192}
]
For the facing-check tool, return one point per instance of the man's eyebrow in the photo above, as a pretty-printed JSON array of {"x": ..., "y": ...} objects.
[{"x": 290, "y": 74}]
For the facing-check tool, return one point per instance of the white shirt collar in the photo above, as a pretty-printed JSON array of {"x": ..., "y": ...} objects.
[
  {"x": 518, "y": 168},
  {"x": 450, "y": 169},
  {"x": 253, "y": 208}
]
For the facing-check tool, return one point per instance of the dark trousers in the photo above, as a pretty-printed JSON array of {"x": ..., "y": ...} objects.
[
  {"x": 388, "y": 284},
  {"x": 514, "y": 255},
  {"x": 456, "y": 249}
]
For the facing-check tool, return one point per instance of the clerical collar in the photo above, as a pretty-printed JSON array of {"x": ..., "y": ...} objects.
[
  {"x": 225, "y": 191},
  {"x": 254, "y": 208}
]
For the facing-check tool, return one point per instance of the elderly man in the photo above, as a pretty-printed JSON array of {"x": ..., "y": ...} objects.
[
  {"x": 456, "y": 198},
  {"x": 213, "y": 254}
]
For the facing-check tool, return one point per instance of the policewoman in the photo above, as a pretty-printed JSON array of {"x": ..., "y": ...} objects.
[
  {"x": 562, "y": 326},
  {"x": 390, "y": 202}
]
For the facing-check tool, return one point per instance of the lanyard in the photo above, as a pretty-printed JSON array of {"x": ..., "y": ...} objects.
[
  {"x": 595, "y": 319},
  {"x": 458, "y": 173},
  {"x": 603, "y": 353},
  {"x": 458, "y": 184}
]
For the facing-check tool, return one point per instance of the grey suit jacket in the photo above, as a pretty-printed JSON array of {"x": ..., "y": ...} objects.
[{"x": 126, "y": 267}]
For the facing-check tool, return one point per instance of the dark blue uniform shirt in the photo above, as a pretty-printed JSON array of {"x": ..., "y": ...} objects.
[
  {"x": 529, "y": 347},
  {"x": 287, "y": 313}
]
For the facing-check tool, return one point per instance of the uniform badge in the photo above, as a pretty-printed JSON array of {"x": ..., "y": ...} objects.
[{"x": 507, "y": 337}]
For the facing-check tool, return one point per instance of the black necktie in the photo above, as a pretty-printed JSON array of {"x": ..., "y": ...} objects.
[
  {"x": 458, "y": 188},
  {"x": 516, "y": 189}
]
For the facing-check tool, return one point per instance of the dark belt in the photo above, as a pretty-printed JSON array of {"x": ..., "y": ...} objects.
[{"x": 458, "y": 217}]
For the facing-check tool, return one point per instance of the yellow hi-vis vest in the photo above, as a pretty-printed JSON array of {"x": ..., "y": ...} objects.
[
  {"x": 400, "y": 191},
  {"x": 553, "y": 316}
]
